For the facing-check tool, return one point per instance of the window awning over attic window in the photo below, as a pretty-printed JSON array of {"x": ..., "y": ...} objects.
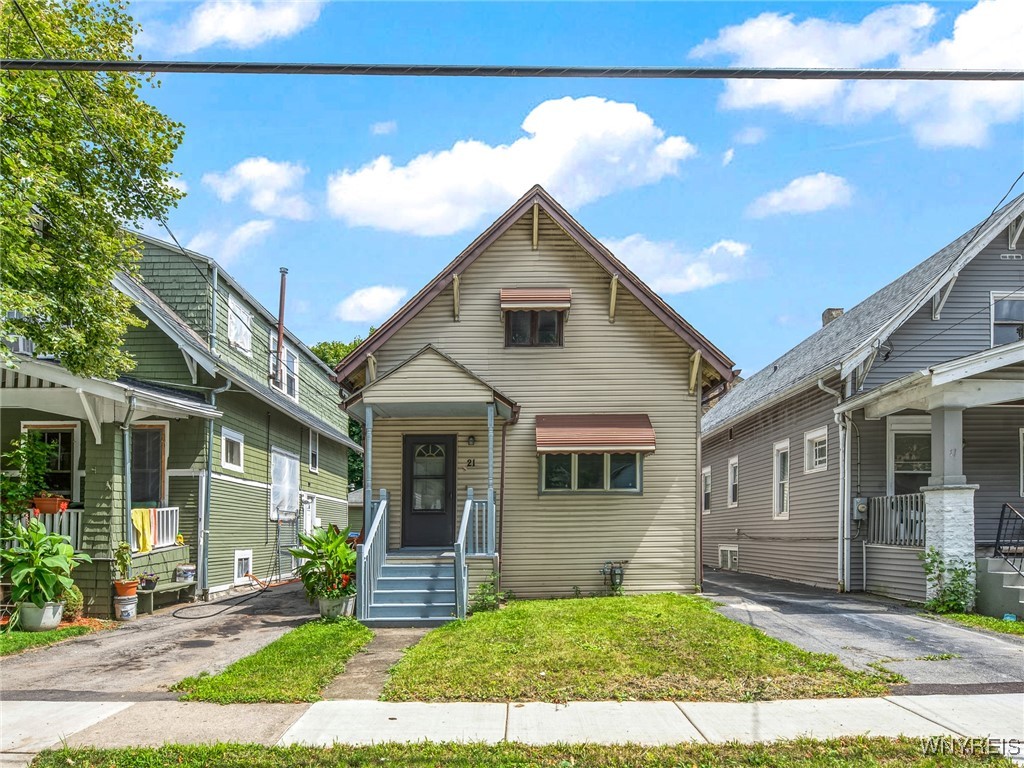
[
  {"x": 595, "y": 433},
  {"x": 535, "y": 298}
]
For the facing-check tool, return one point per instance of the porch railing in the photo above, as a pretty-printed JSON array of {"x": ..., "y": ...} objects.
[
  {"x": 897, "y": 521},
  {"x": 370, "y": 555},
  {"x": 476, "y": 537},
  {"x": 1010, "y": 538},
  {"x": 163, "y": 522},
  {"x": 67, "y": 523}
]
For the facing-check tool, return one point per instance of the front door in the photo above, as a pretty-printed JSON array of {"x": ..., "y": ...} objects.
[{"x": 428, "y": 491}]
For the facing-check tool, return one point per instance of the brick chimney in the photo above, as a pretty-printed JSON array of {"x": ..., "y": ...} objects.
[{"x": 830, "y": 314}]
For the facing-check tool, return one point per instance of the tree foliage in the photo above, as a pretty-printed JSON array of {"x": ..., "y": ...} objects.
[{"x": 69, "y": 183}]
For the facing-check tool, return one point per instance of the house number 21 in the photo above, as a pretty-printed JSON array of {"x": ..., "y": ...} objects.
[{"x": 470, "y": 463}]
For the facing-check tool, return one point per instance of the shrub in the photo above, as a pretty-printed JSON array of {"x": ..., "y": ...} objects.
[
  {"x": 951, "y": 583},
  {"x": 73, "y": 602},
  {"x": 488, "y": 597}
]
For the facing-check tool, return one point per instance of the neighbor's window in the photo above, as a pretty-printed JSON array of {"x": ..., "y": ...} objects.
[
  {"x": 816, "y": 450},
  {"x": 910, "y": 454},
  {"x": 239, "y": 326},
  {"x": 60, "y": 472},
  {"x": 284, "y": 488},
  {"x": 590, "y": 472},
  {"x": 1007, "y": 318},
  {"x": 705, "y": 490},
  {"x": 314, "y": 451},
  {"x": 232, "y": 449},
  {"x": 149, "y": 463},
  {"x": 734, "y": 481},
  {"x": 289, "y": 383},
  {"x": 780, "y": 480},
  {"x": 534, "y": 328}
]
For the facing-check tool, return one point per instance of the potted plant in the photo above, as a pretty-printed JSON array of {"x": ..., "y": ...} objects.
[
  {"x": 125, "y": 586},
  {"x": 328, "y": 570},
  {"x": 38, "y": 565},
  {"x": 32, "y": 457},
  {"x": 148, "y": 580}
]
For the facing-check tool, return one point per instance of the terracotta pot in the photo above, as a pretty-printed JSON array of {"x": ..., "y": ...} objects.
[
  {"x": 126, "y": 588},
  {"x": 50, "y": 505}
]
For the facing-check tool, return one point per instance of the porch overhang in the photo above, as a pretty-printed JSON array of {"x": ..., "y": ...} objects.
[{"x": 991, "y": 377}]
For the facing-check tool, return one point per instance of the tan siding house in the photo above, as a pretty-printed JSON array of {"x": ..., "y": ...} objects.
[{"x": 586, "y": 342}]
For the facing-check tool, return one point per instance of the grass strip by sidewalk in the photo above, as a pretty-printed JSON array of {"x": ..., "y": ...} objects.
[
  {"x": 646, "y": 647},
  {"x": 836, "y": 753},
  {"x": 17, "y": 640},
  {"x": 295, "y": 667},
  {"x": 985, "y": 622}
]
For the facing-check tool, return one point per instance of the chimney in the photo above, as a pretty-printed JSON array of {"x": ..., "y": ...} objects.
[{"x": 830, "y": 314}]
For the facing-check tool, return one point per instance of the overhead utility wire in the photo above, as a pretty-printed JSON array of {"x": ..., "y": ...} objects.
[{"x": 460, "y": 70}]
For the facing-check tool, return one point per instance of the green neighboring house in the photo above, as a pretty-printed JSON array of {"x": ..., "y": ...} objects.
[{"x": 199, "y": 436}]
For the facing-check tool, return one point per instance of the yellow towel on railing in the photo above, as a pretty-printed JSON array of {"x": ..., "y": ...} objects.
[{"x": 142, "y": 523}]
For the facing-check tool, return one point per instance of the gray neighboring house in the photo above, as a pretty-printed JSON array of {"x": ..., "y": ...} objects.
[{"x": 898, "y": 426}]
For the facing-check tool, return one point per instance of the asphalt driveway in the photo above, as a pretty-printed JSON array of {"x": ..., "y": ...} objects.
[
  {"x": 138, "y": 660},
  {"x": 863, "y": 631}
]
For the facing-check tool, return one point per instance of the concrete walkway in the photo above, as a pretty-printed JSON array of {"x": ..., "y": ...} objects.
[{"x": 27, "y": 727}]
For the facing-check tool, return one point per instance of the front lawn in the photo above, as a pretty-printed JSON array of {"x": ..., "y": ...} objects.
[
  {"x": 18, "y": 640},
  {"x": 663, "y": 646},
  {"x": 295, "y": 667},
  {"x": 836, "y": 753},
  {"x": 986, "y": 622}
]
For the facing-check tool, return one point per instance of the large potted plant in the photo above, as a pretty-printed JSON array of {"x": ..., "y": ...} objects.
[
  {"x": 38, "y": 565},
  {"x": 328, "y": 570}
]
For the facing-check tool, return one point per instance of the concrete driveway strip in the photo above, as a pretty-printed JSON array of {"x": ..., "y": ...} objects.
[
  {"x": 999, "y": 716},
  {"x": 152, "y": 724},
  {"x": 600, "y": 722},
  {"x": 374, "y": 722},
  {"x": 29, "y": 726},
  {"x": 820, "y": 718}
]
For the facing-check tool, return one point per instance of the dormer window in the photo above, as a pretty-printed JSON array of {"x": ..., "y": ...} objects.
[
  {"x": 288, "y": 382},
  {"x": 534, "y": 317}
]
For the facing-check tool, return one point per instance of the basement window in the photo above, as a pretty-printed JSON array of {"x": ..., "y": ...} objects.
[{"x": 243, "y": 566}]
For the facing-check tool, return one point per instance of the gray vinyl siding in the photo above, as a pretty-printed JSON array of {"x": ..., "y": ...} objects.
[
  {"x": 965, "y": 325},
  {"x": 551, "y": 543},
  {"x": 804, "y": 547},
  {"x": 992, "y": 460},
  {"x": 896, "y": 572}
]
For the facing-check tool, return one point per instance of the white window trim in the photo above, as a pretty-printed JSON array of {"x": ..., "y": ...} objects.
[
  {"x": 728, "y": 548},
  {"x": 165, "y": 425},
  {"x": 809, "y": 439},
  {"x": 314, "y": 437},
  {"x": 777, "y": 448},
  {"x": 298, "y": 366},
  {"x": 76, "y": 450},
  {"x": 241, "y": 554},
  {"x": 995, "y": 296},
  {"x": 729, "y": 501},
  {"x": 238, "y": 311},
  {"x": 900, "y": 424},
  {"x": 705, "y": 472},
  {"x": 230, "y": 434}
]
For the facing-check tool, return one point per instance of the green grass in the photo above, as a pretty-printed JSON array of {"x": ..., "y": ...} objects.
[
  {"x": 647, "y": 647},
  {"x": 835, "y": 753},
  {"x": 16, "y": 641},
  {"x": 295, "y": 667},
  {"x": 987, "y": 622}
]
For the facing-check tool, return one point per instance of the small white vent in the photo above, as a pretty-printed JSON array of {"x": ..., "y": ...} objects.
[
  {"x": 1012, "y": 256},
  {"x": 729, "y": 557}
]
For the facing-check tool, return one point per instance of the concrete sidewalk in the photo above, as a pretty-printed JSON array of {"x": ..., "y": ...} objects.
[{"x": 27, "y": 727}]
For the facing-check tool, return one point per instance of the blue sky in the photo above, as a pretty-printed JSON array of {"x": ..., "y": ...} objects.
[{"x": 751, "y": 206}]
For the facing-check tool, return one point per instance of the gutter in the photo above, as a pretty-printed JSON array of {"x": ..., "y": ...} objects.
[
  {"x": 126, "y": 446},
  {"x": 204, "y": 523}
]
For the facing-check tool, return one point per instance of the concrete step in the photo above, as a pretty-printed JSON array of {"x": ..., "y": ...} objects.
[
  {"x": 411, "y": 611},
  {"x": 415, "y": 597}
]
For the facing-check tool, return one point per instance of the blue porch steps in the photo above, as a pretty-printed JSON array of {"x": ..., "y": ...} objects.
[{"x": 414, "y": 591}]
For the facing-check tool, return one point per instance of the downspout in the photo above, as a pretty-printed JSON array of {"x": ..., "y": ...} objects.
[
  {"x": 126, "y": 438},
  {"x": 204, "y": 527},
  {"x": 842, "y": 561},
  {"x": 501, "y": 478},
  {"x": 213, "y": 309}
]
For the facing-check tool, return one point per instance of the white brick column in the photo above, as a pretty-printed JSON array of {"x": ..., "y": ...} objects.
[{"x": 949, "y": 522}]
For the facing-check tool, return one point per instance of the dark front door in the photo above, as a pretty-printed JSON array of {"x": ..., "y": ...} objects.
[{"x": 428, "y": 491}]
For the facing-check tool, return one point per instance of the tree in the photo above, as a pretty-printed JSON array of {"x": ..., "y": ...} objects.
[
  {"x": 332, "y": 353},
  {"x": 81, "y": 156}
]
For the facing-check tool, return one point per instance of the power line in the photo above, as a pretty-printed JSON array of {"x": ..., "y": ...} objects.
[{"x": 510, "y": 71}]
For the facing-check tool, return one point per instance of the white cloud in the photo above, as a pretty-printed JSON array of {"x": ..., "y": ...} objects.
[
  {"x": 986, "y": 36},
  {"x": 368, "y": 305},
  {"x": 750, "y": 135},
  {"x": 243, "y": 23},
  {"x": 579, "y": 149},
  {"x": 272, "y": 188},
  {"x": 807, "y": 194},
  {"x": 667, "y": 269},
  {"x": 384, "y": 128},
  {"x": 728, "y": 155},
  {"x": 228, "y": 248},
  {"x": 179, "y": 184}
]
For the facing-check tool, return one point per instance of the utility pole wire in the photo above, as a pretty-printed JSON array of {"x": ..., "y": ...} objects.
[{"x": 459, "y": 70}]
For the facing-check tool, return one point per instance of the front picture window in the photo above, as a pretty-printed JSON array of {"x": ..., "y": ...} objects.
[{"x": 590, "y": 472}]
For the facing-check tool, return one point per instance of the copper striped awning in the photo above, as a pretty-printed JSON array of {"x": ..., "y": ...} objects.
[
  {"x": 535, "y": 298},
  {"x": 595, "y": 433}
]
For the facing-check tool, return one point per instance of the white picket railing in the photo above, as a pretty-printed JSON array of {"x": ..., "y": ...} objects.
[
  {"x": 67, "y": 523},
  {"x": 163, "y": 522},
  {"x": 371, "y": 554},
  {"x": 897, "y": 521},
  {"x": 476, "y": 537}
]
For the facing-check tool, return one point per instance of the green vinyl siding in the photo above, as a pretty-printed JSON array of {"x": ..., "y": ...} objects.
[
  {"x": 240, "y": 521},
  {"x": 181, "y": 282}
]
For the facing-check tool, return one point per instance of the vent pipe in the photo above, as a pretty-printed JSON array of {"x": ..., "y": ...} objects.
[
  {"x": 279, "y": 372},
  {"x": 830, "y": 314}
]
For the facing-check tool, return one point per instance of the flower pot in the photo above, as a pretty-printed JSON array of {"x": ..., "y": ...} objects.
[
  {"x": 34, "y": 619},
  {"x": 149, "y": 583},
  {"x": 126, "y": 588},
  {"x": 49, "y": 505},
  {"x": 125, "y": 608},
  {"x": 333, "y": 607}
]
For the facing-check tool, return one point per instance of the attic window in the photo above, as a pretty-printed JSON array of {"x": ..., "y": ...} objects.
[
  {"x": 525, "y": 328},
  {"x": 1007, "y": 318},
  {"x": 239, "y": 326}
]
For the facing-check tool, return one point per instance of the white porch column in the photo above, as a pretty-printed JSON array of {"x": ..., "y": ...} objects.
[
  {"x": 491, "y": 516},
  {"x": 949, "y": 499},
  {"x": 367, "y": 471}
]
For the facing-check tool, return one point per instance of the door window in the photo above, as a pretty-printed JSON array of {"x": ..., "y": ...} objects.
[{"x": 429, "y": 481}]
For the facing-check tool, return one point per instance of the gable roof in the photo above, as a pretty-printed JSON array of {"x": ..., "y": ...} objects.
[
  {"x": 605, "y": 258},
  {"x": 848, "y": 340}
]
